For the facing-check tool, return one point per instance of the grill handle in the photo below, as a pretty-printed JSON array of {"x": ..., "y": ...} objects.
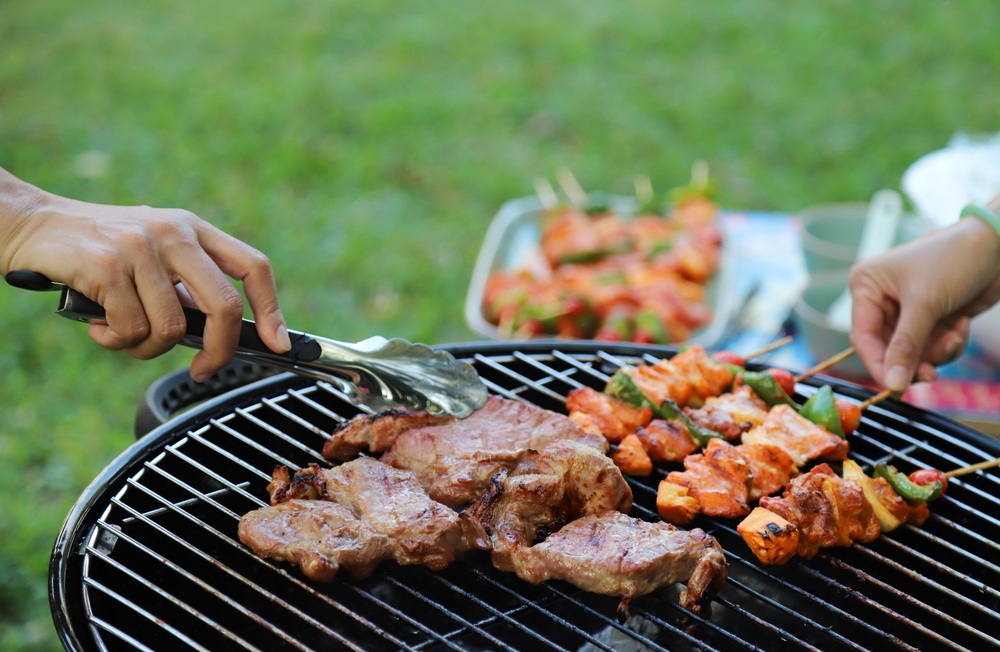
[{"x": 175, "y": 391}]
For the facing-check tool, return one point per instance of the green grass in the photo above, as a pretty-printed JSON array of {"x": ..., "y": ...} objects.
[{"x": 366, "y": 146}]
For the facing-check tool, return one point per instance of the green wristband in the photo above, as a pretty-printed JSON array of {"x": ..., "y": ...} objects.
[{"x": 983, "y": 213}]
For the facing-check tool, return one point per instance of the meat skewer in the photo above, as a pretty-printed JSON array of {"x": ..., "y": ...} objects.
[{"x": 820, "y": 509}]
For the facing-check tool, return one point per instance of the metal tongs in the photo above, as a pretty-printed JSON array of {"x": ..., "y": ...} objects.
[{"x": 377, "y": 372}]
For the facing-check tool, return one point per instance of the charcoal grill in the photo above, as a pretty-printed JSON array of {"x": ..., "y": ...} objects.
[{"x": 149, "y": 558}]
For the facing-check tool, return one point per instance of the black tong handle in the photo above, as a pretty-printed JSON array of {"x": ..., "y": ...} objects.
[{"x": 74, "y": 305}]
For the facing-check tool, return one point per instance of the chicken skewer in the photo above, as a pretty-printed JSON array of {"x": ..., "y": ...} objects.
[
  {"x": 820, "y": 509},
  {"x": 669, "y": 428}
]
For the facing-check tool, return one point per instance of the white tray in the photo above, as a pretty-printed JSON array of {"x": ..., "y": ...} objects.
[{"x": 513, "y": 242}]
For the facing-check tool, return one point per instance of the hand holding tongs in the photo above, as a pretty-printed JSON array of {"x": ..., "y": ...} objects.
[{"x": 380, "y": 373}]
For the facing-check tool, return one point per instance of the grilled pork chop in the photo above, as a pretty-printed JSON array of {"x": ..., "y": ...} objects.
[
  {"x": 562, "y": 482},
  {"x": 615, "y": 554},
  {"x": 375, "y": 432},
  {"x": 456, "y": 460},
  {"x": 354, "y": 516},
  {"x": 316, "y": 535}
]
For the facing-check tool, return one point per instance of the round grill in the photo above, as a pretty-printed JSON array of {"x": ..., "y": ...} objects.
[{"x": 149, "y": 558}]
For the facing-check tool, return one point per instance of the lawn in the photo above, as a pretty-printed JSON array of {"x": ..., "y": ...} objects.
[{"x": 366, "y": 146}]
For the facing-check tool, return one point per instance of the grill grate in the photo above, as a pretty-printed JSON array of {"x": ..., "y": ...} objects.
[{"x": 149, "y": 557}]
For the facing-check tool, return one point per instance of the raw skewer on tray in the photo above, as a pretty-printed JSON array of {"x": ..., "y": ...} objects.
[{"x": 610, "y": 276}]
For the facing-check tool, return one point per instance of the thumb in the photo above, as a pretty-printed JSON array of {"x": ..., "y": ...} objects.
[{"x": 906, "y": 348}]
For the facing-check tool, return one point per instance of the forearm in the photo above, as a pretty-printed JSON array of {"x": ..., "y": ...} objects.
[{"x": 18, "y": 202}]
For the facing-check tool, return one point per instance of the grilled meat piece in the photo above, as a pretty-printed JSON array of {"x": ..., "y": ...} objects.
[
  {"x": 565, "y": 480},
  {"x": 688, "y": 378},
  {"x": 827, "y": 510},
  {"x": 375, "y": 432},
  {"x": 770, "y": 469},
  {"x": 614, "y": 554},
  {"x": 719, "y": 479},
  {"x": 802, "y": 439},
  {"x": 731, "y": 414},
  {"x": 316, "y": 535},
  {"x": 614, "y": 418},
  {"x": 667, "y": 441},
  {"x": 724, "y": 480},
  {"x": 455, "y": 461},
  {"x": 372, "y": 509}
]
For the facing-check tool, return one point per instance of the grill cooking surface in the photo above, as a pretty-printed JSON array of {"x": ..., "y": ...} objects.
[{"x": 149, "y": 557}]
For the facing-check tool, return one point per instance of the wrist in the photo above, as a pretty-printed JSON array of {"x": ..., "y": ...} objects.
[
  {"x": 18, "y": 202},
  {"x": 981, "y": 229},
  {"x": 985, "y": 213}
]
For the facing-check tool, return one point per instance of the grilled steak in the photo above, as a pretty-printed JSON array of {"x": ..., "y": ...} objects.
[
  {"x": 456, "y": 460},
  {"x": 317, "y": 535},
  {"x": 393, "y": 518},
  {"x": 614, "y": 554},
  {"x": 564, "y": 481},
  {"x": 375, "y": 432}
]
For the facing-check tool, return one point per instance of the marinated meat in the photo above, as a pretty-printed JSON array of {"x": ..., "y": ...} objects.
[
  {"x": 770, "y": 468},
  {"x": 802, "y": 439},
  {"x": 731, "y": 414},
  {"x": 723, "y": 481},
  {"x": 614, "y": 554},
  {"x": 565, "y": 481},
  {"x": 688, "y": 378},
  {"x": 455, "y": 461},
  {"x": 667, "y": 441},
  {"x": 384, "y": 511},
  {"x": 375, "y": 432},
  {"x": 614, "y": 418},
  {"x": 827, "y": 510}
]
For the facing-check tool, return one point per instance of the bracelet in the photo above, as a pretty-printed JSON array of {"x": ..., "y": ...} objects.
[{"x": 983, "y": 213}]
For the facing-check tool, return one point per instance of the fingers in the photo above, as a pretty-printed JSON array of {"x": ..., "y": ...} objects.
[
  {"x": 906, "y": 347},
  {"x": 871, "y": 319},
  {"x": 222, "y": 304},
  {"x": 244, "y": 263}
]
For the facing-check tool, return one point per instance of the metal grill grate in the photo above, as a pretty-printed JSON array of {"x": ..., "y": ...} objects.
[{"x": 149, "y": 557}]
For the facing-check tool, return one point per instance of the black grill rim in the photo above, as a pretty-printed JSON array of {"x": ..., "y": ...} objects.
[{"x": 66, "y": 604}]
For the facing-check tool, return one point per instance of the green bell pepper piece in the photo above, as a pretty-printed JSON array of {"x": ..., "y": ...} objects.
[
  {"x": 766, "y": 387},
  {"x": 649, "y": 323},
  {"x": 821, "y": 409},
  {"x": 622, "y": 386},
  {"x": 906, "y": 488},
  {"x": 670, "y": 411}
]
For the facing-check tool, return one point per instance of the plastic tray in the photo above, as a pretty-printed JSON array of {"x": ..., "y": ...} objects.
[{"x": 513, "y": 242}]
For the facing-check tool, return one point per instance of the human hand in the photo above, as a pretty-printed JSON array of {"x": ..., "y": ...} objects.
[
  {"x": 140, "y": 263},
  {"x": 911, "y": 306}
]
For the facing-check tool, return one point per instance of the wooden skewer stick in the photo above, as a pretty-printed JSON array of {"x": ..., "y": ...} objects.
[
  {"x": 973, "y": 468},
  {"x": 572, "y": 188},
  {"x": 826, "y": 364},
  {"x": 546, "y": 193},
  {"x": 878, "y": 398},
  {"x": 777, "y": 344}
]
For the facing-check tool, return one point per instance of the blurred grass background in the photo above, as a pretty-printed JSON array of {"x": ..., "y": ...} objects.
[{"x": 365, "y": 147}]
